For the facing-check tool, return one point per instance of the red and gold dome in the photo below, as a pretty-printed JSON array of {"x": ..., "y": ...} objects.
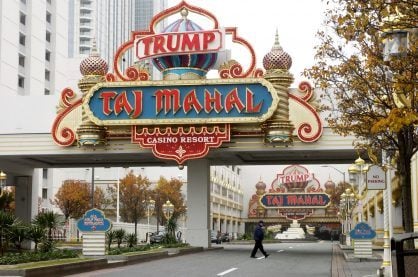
[
  {"x": 329, "y": 185},
  {"x": 93, "y": 64},
  {"x": 188, "y": 66},
  {"x": 277, "y": 58}
]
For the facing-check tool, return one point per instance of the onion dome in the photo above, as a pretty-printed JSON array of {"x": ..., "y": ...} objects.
[
  {"x": 260, "y": 185},
  {"x": 93, "y": 64},
  {"x": 329, "y": 185},
  {"x": 277, "y": 58},
  {"x": 188, "y": 66}
]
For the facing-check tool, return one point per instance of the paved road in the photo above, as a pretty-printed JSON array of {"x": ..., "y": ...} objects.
[{"x": 287, "y": 259}]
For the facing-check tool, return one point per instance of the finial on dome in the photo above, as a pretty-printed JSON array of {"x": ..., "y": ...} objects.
[
  {"x": 276, "y": 45},
  {"x": 184, "y": 13},
  {"x": 94, "y": 52}
]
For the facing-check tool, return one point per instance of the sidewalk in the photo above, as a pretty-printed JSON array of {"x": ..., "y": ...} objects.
[{"x": 344, "y": 264}]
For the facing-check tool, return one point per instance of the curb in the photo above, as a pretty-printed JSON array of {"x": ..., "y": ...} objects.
[{"x": 110, "y": 261}]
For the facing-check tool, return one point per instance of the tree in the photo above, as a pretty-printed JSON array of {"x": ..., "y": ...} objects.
[
  {"x": 74, "y": 198},
  {"x": 369, "y": 93},
  {"x": 36, "y": 234},
  {"x": 7, "y": 221},
  {"x": 133, "y": 191},
  {"x": 48, "y": 220},
  {"x": 169, "y": 190}
]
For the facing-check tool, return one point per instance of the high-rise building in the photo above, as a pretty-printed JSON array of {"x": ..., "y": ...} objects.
[
  {"x": 109, "y": 22},
  {"x": 33, "y": 47}
]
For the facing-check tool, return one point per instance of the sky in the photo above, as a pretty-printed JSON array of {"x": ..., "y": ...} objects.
[{"x": 297, "y": 22}]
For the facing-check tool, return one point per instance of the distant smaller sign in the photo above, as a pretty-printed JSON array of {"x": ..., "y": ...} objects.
[
  {"x": 295, "y": 200},
  {"x": 362, "y": 231},
  {"x": 93, "y": 221},
  {"x": 376, "y": 178}
]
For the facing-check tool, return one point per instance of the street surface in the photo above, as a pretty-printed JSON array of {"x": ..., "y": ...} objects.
[{"x": 286, "y": 259}]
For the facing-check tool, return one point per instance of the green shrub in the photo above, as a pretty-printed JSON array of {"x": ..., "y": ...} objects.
[
  {"x": 26, "y": 257},
  {"x": 131, "y": 240},
  {"x": 110, "y": 236},
  {"x": 120, "y": 236},
  {"x": 118, "y": 251},
  {"x": 47, "y": 246},
  {"x": 245, "y": 237}
]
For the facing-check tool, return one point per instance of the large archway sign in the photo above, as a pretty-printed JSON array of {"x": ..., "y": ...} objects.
[{"x": 184, "y": 115}]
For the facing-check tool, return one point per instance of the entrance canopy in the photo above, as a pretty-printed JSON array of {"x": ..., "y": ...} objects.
[{"x": 37, "y": 150}]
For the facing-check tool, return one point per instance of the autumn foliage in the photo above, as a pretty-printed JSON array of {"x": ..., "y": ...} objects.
[
  {"x": 74, "y": 198},
  {"x": 370, "y": 90}
]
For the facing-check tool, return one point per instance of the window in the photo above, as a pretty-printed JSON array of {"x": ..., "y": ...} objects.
[
  {"x": 47, "y": 92},
  {"x": 44, "y": 173},
  {"x": 47, "y": 74},
  {"x": 44, "y": 194},
  {"x": 22, "y": 18},
  {"x": 47, "y": 55},
  {"x": 48, "y": 17},
  {"x": 22, "y": 39},
  {"x": 48, "y": 36},
  {"x": 21, "y": 60},
  {"x": 21, "y": 81}
]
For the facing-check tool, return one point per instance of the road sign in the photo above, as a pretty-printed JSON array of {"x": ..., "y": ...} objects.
[{"x": 376, "y": 178}]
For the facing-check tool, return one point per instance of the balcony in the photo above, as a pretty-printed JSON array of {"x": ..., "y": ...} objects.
[
  {"x": 85, "y": 35},
  {"x": 85, "y": 26},
  {"x": 85, "y": 18}
]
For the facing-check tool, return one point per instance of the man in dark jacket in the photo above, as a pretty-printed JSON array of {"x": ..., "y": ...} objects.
[{"x": 258, "y": 237}]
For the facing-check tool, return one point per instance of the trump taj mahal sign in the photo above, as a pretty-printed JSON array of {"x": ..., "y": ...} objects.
[{"x": 184, "y": 115}]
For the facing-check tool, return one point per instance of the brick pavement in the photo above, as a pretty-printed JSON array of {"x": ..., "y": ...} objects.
[{"x": 344, "y": 266}]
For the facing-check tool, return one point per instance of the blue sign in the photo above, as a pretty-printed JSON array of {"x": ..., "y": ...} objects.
[
  {"x": 189, "y": 102},
  {"x": 93, "y": 221},
  {"x": 362, "y": 231}
]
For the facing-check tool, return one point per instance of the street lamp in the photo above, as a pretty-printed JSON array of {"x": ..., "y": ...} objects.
[
  {"x": 168, "y": 209},
  {"x": 150, "y": 205},
  {"x": 356, "y": 175},
  {"x": 342, "y": 172},
  {"x": 347, "y": 202}
]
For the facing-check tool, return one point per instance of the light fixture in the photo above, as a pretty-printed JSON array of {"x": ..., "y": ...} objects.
[{"x": 168, "y": 209}]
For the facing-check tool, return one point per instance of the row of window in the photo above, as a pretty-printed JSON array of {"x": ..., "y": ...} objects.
[
  {"x": 22, "y": 41},
  {"x": 22, "y": 18},
  {"x": 24, "y": 1}
]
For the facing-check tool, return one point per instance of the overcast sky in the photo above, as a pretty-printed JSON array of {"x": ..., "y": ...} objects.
[{"x": 297, "y": 22}]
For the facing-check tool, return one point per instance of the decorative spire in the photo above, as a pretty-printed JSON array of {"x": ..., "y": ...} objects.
[{"x": 276, "y": 45}]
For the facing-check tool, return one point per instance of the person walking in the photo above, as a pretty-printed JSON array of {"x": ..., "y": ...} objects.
[{"x": 258, "y": 237}]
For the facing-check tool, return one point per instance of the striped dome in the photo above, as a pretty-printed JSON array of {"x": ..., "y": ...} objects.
[{"x": 188, "y": 64}]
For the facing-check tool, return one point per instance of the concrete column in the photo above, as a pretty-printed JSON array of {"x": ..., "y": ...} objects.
[
  {"x": 198, "y": 195},
  {"x": 26, "y": 198}
]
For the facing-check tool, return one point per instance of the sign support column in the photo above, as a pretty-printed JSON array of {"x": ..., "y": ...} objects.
[{"x": 198, "y": 194}]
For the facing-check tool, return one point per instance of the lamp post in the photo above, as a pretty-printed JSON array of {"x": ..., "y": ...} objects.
[
  {"x": 356, "y": 174},
  {"x": 168, "y": 209},
  {"x": 342, "y": 172},
  {"x": 347, "y": 202},
  {"x": 150, "y": 205}
]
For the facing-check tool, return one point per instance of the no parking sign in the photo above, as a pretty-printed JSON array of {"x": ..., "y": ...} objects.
[{"x": 376, "y": 178}]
